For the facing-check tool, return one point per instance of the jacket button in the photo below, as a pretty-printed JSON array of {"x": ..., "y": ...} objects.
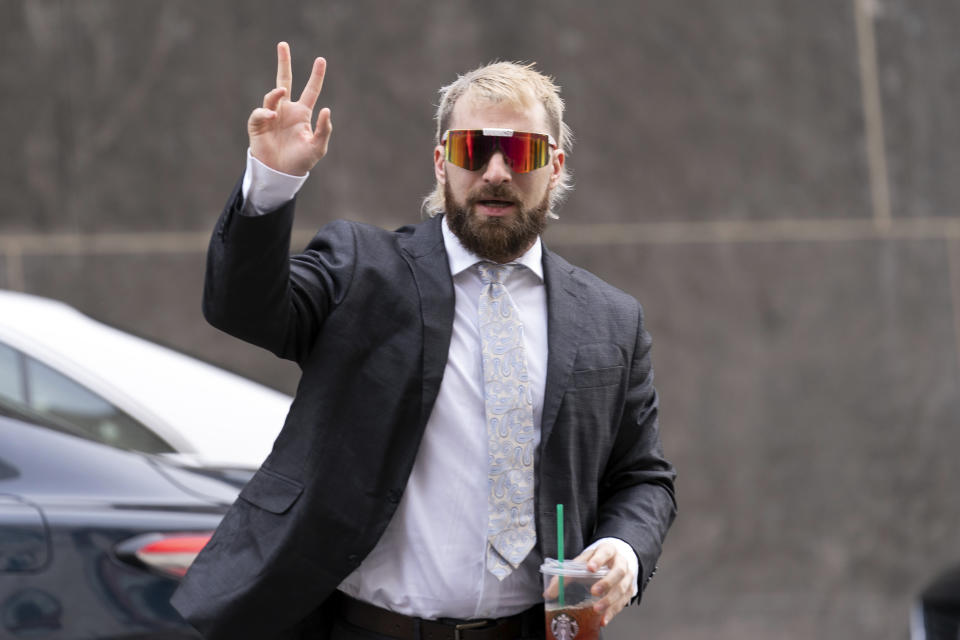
[
  {"x": 393, "y": 496},
  {"x": 353, "y": 558}
]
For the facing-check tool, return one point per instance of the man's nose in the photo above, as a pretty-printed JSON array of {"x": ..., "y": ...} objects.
[{"x": 497, "y": 169}]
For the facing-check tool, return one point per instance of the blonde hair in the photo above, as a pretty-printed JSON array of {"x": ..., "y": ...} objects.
[{"x": 516, "y": 83}]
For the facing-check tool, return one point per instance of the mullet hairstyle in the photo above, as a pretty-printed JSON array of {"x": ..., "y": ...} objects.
[{"x": 515, "y": 83}]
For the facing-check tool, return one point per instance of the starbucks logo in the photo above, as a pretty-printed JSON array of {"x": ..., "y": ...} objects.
[{"x": 564, "y": 627}]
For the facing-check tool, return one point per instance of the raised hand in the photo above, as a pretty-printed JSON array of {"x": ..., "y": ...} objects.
[{"x": 281, "y": 132}]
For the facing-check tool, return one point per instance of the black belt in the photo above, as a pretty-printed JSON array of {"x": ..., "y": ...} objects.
[{"x": 396, "y": 625}]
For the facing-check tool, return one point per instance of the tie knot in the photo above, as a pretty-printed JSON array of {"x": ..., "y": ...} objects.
[{"x": 491, "y": 272}]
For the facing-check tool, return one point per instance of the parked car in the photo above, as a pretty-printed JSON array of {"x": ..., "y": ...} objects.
[
  {"x": 94, "y": 540},
  {"x": 936, "y": 611},
  {"x": 131, "y": 393}
]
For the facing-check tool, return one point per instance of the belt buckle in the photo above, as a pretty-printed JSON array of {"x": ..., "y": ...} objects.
[{"x": 466, "y": 626}]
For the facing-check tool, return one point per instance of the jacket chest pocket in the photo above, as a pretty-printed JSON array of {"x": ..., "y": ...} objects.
[{"x": 598, "y": 365}]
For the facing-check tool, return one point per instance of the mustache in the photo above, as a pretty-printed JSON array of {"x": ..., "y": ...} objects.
[{"x": 502, "y": 191}]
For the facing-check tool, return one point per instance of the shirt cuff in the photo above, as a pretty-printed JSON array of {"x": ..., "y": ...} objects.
[
  {"x": 265, "y": 189},
  {"x": 627, "y": 553}
]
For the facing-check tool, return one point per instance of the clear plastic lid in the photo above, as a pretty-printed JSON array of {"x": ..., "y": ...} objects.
[{"x": 570, "y": 569}]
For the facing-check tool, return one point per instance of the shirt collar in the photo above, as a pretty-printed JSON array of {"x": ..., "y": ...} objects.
[{"x": 461, "y": 259}]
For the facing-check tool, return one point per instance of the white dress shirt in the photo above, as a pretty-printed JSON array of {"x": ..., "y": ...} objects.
[{"x": 430, "y": 561}]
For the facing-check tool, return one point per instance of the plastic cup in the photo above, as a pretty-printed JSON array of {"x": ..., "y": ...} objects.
[{"x": 574, "y": 617}]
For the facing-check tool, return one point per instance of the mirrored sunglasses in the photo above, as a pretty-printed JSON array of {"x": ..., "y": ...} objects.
[{"x": 471, "y": 149}]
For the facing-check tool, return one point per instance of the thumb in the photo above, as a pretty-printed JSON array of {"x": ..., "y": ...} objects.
[{"x": 323, "y": 130}]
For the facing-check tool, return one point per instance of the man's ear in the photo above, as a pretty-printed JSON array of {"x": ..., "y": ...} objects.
[
  {"x": 556, "y": 167},
  {"x": 439, "y": 166}
]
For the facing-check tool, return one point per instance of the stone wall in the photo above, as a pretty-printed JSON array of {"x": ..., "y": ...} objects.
[{"x": 774, "y": 180}]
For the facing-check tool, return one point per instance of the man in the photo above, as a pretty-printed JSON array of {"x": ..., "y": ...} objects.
[{"x": 448, "y": 403}]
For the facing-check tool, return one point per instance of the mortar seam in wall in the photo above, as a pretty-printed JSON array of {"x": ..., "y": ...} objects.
[
  {"x": 953, "y": 278},
  {"x": 865, "y": 12},
  {"x": 14, "y": 276}
]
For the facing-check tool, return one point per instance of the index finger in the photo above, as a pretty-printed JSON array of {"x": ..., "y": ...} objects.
[
  {"x": 312, "y": 89},
  {"x": 597, "y": 557},
  {"x": 284, "y": 72},
  {"x": 607, "y": 583}
]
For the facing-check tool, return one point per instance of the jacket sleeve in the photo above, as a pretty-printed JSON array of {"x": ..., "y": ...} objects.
[
  {"x": 255, "y": 291},
  {"x": 637, "y": 499}
]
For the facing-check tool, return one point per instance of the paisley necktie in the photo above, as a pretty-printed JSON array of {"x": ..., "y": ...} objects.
[{"x": 511, "y": 532}]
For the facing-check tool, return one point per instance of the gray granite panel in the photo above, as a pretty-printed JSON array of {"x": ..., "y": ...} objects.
[
  {"x": 156, "y": 297},
  {"x": 809, "y": 400},
  {"x": 29, "y": 171},
  {"x": 104, "y": 144},
  {"x": 920, "y": 84},
  {"x": 706, "y": 111},
  {"x": 683, "y": 111}
]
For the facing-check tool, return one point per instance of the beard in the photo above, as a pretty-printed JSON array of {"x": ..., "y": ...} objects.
[{"x": 499, "y": 239}]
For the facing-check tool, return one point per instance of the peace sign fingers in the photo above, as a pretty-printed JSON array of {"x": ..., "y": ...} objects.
[{"x": 282, "y": 135}]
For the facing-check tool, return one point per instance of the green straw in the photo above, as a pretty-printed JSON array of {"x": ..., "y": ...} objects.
[{"x": 560, "y": 548}]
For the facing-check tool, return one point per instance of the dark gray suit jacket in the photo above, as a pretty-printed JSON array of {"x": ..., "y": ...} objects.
[{"x": 368, "y": 314}]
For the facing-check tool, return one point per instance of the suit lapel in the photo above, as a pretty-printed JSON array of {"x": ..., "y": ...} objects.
[
  {"x": 425, "y": 254},
  {"x": 564, "y": 329}
]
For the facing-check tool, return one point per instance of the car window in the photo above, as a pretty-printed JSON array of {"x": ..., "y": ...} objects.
[
  {"x": 11, "y": 375},
  {"x": 41, "y": 390},
  {"x": 50, "y": 392}
]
